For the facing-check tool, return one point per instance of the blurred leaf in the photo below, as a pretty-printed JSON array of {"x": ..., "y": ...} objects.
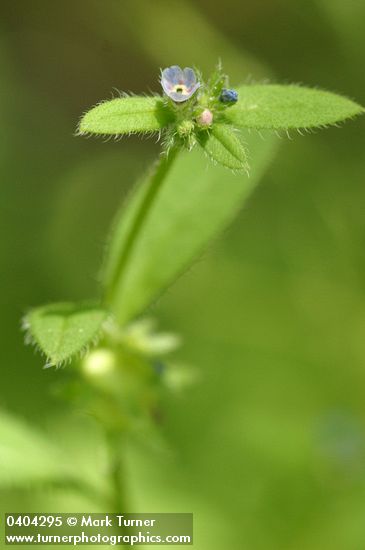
[
  {"x": 195, "y": 38},
  {"x": 80, "y": 220},
  {"x": 194, "y": 203},
  {"x": 64, "y": 329},
  {"x": 126, "y": 115},
  {"x": 279, "y": 107},
  {"x": 29, "y": 460},
  {"x": 347, "y": 20},
  {"x": 223, "y": 145},
  {"x": 26, "y": 457}
]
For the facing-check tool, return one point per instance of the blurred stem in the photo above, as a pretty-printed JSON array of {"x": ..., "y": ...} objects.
[
  {"x": 160, "y": 171},
  {"x": 118, "y": 502}
]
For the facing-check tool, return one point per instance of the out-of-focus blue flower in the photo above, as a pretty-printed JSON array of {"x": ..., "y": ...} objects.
[
  {"x": 228, "y": 96},
  {"x": 179, "y": 84}
]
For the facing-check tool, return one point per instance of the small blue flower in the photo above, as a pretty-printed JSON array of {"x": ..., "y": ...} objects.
[
  {"x": 179, "y": 84},
  {"x": 228, "y": 96}
]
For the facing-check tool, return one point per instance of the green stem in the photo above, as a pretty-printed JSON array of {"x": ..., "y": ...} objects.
[
  {"x": 160, "y": 171},
  {"x": 117, "y": 502},
  {"x": 117, "y": 478}
]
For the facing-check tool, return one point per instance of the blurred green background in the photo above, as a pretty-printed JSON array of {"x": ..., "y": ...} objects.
[{"x": 268, "y": 447}]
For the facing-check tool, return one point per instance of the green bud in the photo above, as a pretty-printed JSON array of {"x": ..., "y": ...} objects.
[{"x": 185, "y": 128}]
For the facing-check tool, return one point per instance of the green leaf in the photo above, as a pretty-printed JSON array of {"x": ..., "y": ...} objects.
[
  {"x": 26, "y": 456},
  {"x": 126, "y": 115},
  {"x": 205, "y": 44},
  {"x": 30, "y": 460},
  {"x": 223, "y": 145},
  {"x": 63, "y": 330},
  {"x": 279, "y": 107},
  {"x": 195, "y": 201}
]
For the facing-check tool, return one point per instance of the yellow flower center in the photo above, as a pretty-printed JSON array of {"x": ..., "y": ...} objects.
[{"x": 181, "y": 89}]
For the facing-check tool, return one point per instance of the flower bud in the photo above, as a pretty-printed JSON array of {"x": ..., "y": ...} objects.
[
  {"x": 228, "y": 96},
  {"x": 205, "y": 118},
  {"x": 185, "y": 129},
  {"x": 98, "y": 363}
]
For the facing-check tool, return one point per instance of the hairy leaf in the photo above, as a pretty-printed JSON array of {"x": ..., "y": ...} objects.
[
  {"x": 194, "y": 203},
  {"x": 126, "y": 115},
  {"x": 223, "y": 145},
  {"x": 273, "y": 106},
  {"x": 63, "y": 330}
]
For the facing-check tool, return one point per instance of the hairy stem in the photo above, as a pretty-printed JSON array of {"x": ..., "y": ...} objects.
[{"x": 160, "y": 171}]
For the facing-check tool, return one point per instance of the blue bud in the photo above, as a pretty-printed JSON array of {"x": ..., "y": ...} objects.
[{"x": 228, "y": 96}]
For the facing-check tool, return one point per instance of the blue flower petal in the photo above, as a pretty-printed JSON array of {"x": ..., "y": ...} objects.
[
  {"x": 173, "y": 75},
  {"x": 179, "y": 84},
  {"x": 189, "y": 77}
]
